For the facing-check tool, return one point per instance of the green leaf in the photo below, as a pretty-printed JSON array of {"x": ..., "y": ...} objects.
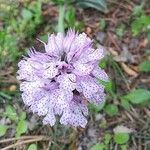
[
  {"x": 98, "y": 146},
  {"x": 138, "y": 10},
  {"x": 59, "y": 2},
  {"x": 26, "y": 14},
  {"x": 145, "y": 66},
  {"x": 138, "y": 96},
  {"x": 2, "y": 94},
  {"x": 70, "y": 16},
  {"x": 111, "y": 109},
  {"x": 96, "y": 108},
  {"x": 148, "y": 36},
  {"x": 22, "y": 116},
  {"x": 11, "y": 113},
  {"x": 103, "y": 63},
  {"x": 102, "y": 24},
  {"x": 109, "y": 86},
  {"x": 3, "y": 130},
  {"x": 21, "y": 127},
  {"x": 141, "y": 23},
  {"x": 121, "y": 138},
  {"x": 97, "y": 4},
  {"x": 32, "y": 147},
  {"x": 107, "y": 138},
  {"x": 125, "y": 104},
  {"x": 123, "y": 147},
  {"x": 44, "y": 38},
  {"x": 120, "y": 30},
  {"x": 79, "y": 25}
]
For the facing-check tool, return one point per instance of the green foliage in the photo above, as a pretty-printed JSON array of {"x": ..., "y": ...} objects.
[
  {"x": 141, "y": 23},
  {"x": 61, "y": 2},
  {"x": 138, "y": 10},
  {"x": 11, "y": 113},
  {"x": 26, "y": 24},
  {"x": 22, "y": 116},
  {"x": 109, "y": 87},
  {"x": 123, "y": 147},
  {"x": 148, "y": 36},
  {"x": 120, "y": 30},
  {"x": 8, "y": 48},
  {"x": 32, "y": 147},
  {"x": 98, "y": 146},
  {"x": 125, "y": 104},
  {"x": 70, "y": 17},
  {"x": 22, "y": 124},
  {"x": 18, "y": 119},
  {"x": 104, "y": 145},
  {"x": 71, "y": 21},
  {"x": 21, "y": 127},
  {"x": 111, "y": 109},
  {"x": 31, "y": 18},
  {"x": 107, "y": 138},
  {"x": 3, "y": 130},
  {"x": 44, "y": 38},
  {"x": 102, "y": 24},
  {"x": 96, "y": 108},
  {"x": 103, "y": 63},
  {"x": 19, "y": 24},
  {"x": 96, "y": 4},
  {"x": 26, "y": 14},
  {"x": 5, "y": 96},
  {"x": 121, "y": 138},
  {"x": 138, "y": 96},
  {"x": 145, "y": 66}
]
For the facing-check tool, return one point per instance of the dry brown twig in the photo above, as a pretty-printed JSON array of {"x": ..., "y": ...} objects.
[
  {"x": 20, "y": 138},
  {"x": 113, "y": 41},
  {"x": 26, "y": 140}
]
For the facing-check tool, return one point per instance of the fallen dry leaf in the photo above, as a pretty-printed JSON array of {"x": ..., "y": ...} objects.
[
  {"x": 12, "y": 88},
  {"x": 122, "y": 129},
  {"x": 112, "y": 51},
  {"x": 128, "y": 70},
  {"x": 125, "y": 56},
  {"x": 136, "y": 68},
  {"x": 88, "y": 30},
  {"x": 144, "y": 43}
]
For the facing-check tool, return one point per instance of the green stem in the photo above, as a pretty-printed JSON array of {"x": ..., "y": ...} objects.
[{"x": 61, "y": 19}]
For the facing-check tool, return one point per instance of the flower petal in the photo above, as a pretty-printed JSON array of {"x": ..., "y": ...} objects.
[
  {"x": 80, "y": 43},
  {"x": 70, "y": 118},
  {"x": 50, "y": 72},
  {"x": 26, "y": 71},
  {"x": 89, "y": 87},
  {"x": 54, "y": 46},
  {"x": 100, "y": 74},
  {"x": 50, "y": 118},
  {"x": 82, "y": 69},
  {"x": 67, "y": 82}
]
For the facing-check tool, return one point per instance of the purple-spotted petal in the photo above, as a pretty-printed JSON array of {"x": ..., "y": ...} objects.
[
  {"x": 82, "y": 69},
  {"x": 100, "y": 74},
  {"x": 67, "y": 82},
  {"x": 50, "y": 118},
  {"x": 89, "y": 87}
]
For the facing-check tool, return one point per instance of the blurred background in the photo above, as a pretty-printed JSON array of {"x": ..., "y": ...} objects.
[{"x": 123, "y": 27}]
